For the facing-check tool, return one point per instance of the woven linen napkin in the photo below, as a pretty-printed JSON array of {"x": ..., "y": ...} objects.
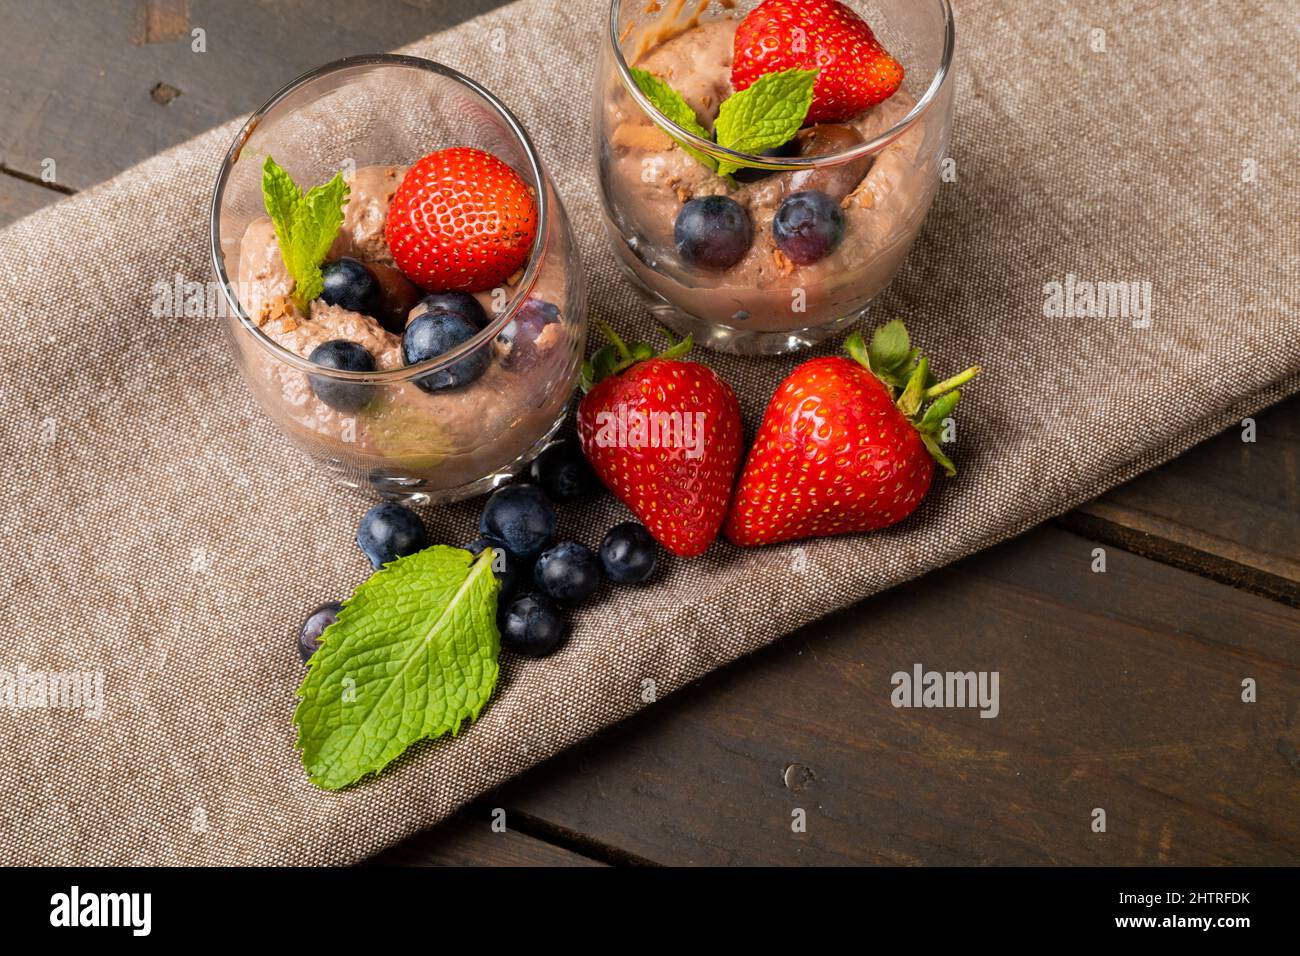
[{"x": 160, "y": 532}]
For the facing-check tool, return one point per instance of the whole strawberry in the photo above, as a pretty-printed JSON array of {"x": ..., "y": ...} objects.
[
  {"x": 462, "y": 220},
  {"x": 664, "y": 435},
  {"x": 846, "y": 444},
  {"x": 856, "y": 72}
]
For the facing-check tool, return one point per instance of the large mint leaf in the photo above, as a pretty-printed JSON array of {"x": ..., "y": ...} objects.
[
  {"x": 764, "y": 115},
  {"x": 413, "y": 654}
]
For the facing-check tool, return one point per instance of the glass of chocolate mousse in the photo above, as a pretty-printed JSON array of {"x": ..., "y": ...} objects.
[
  {"x": 755, "y": 226},
  {"x": 399, "y": 379}
]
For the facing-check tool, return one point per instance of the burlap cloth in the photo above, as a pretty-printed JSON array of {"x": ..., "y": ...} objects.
[{"x": 158, "y": 528}]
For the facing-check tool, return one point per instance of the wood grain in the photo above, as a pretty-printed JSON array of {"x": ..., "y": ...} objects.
[
  {"x": 18, "y": 197},
  {"x": 468, "y": 840},
  {"x": 78, "y": 74},
  {"x": 1119, "y": 690},
  {"x": 1229, "y": 509}
]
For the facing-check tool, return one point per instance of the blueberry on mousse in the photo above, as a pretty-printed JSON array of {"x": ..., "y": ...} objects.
[
  {"x": 389, "y": 531},
  {"x": 517, "y": 342},
  {"x": 312, "y": 628},
  {"x": 350, "y": 285},
  {"x": 564, "y": 473},
  {"x": 435, "y": 333},
  {"x": 628, "y": 553},
  {"x": 713, "y": 232},
  {"x": 345, "y": 356},
  {"x": 751, "y": 174},
  {"x": 521, "y": 517},
  {"x": 808, "y": 226},
  {"x": 568, "y": 573},
  {"x": 531, "y": 625},
  {"x": 460, "y": 304}
]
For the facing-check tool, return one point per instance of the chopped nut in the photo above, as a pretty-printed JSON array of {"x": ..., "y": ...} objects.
[
  {"x": 862, "y": 195},
  {"x": 783, "y": 263},
  {"x": 683, "y": 195},
  {"x": 641, "y": 136},
  {"x": 517, "y": 277}
]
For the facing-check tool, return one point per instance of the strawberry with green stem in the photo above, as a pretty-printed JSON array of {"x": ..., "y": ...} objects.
[
  {"x": 846, "y": 444},
  {"x": 664, "y": 435}
]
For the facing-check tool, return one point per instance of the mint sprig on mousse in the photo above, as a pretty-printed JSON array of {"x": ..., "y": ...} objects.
[
  {"x": 305, "y": 225},
  {"x": 765, "y": 115}
]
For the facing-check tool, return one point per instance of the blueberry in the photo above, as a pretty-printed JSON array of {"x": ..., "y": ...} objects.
[
  {"x": 348, "y": 357},
  {"x": 460, "y": 304},
  {"x": 507, "y": 567},
  {"x": 521, "y": 518},
  {"x": 389, "y": 531},
  {"x": 568, "y": 573},
  {"x": 628, "y": 553},
  {"x": 563, "y": 473},
  {"x": 531, "y": 625},
  {"x": 436, "y": 333},
  {"x": 713, "y": 232},
  {"x": 312, "y": 628},
  {"x": 518, "y": 340},
  {"x": 808, "y": 226},
  {"x": 350, "y": 285},
  {"x": 751, "y": 175}
]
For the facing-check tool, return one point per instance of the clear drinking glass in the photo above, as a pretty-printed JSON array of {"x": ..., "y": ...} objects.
[
  {"x": 382, "y": 433},
  {"x": 885, "y": 181}
]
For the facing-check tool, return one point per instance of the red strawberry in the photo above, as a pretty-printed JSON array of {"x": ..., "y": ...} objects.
[
  {"x": 856, "y": 72},
  {"x": 664, "y": 435},
  {"x": 461, "y": 219},
  {"x": 836, "y": 452}
]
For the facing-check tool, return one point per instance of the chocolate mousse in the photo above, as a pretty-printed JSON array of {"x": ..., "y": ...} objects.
[
  {"x": 432, "y": 433},
  {"x": 823, "y": 242}
]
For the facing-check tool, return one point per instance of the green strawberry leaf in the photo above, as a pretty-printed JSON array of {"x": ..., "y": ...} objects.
[
  {"x": 766, "y": 114},
  {"x": 891, "y": 355},
  {"x": 909, "y": 403},
  {"x": 932, "y": 446},
  {"x": 893, "y": 360},
  {"x": 305, "y": 226},
  {"x": 674, "y": 106},
  {"x": 412, "y": 655},
  {"x": 939, "y": 409}
]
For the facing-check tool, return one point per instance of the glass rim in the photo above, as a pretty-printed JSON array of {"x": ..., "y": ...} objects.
[
  {"x": 786, "y": 163},
  {"x": 498, "y": 321}
]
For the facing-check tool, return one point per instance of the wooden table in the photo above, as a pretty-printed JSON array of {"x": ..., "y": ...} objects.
[{"x": 1122, "y": 690}]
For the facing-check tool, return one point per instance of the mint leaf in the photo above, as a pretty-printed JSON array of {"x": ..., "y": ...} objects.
[
  {"x": 413, "y": 654},
  {"x": 674, "y": 106},
  {"x": 765, "y": 115},
  {"x": 305, "y": 226}
]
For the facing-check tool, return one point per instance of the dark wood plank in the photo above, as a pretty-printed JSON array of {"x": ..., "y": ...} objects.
[
  {"x": 468, "y": 840},
  {"x": 1118, "y": 690},
  {"x": 18, "y": 197},
  {"x": 81, "y": 78},
  {"x": 1228, "y": 509}
]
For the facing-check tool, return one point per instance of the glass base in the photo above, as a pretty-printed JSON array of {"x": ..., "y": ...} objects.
[
  {"x": 737, "y": 341},
  {"x": 416, "y": 491}
]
